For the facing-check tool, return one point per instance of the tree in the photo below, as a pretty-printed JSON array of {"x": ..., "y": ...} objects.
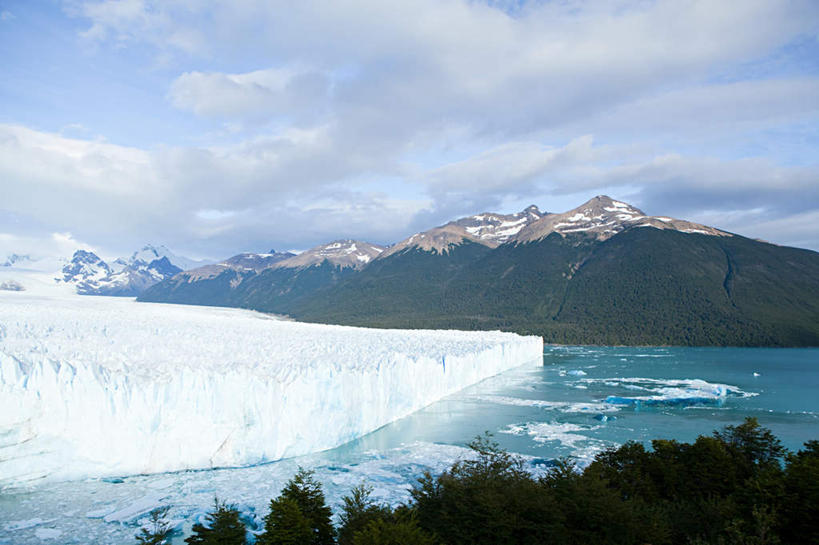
[
  {"x": 801, "y": 513},
  {"x": 223, "y": 527},
  {"x": 158, "y": 528},
  {"x": 358, "y": 511},
  {"x": 401, "y": 531},
  {"x": 757, "y": 445},
  {"x": 285, "y": 524},
  {"x": 306, "y": 495},
  {"x": 487, "y": 499}
]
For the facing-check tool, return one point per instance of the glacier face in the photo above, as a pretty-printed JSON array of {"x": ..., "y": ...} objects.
[{"x": 105, "y": 386}]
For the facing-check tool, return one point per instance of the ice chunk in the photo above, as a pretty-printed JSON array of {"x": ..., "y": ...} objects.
[
  {"x": 110, "y": 387},
  {"x": 16, "y": 525},
  {"x": 47, "y": 533},
  {"x": 670, "y": 392},
  {"x": 569, "y": 435},
  {"x": 135, "y": 509}
]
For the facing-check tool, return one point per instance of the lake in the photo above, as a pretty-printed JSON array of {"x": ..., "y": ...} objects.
[{"x": 577, "y": 402}]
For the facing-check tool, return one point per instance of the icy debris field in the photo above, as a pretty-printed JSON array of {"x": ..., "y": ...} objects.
[
  {"x": 111, "y": 511},
  {"x": 97, "y": 386}
]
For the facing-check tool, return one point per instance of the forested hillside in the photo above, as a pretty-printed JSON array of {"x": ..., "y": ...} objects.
[{"x": 643, "y": 286}]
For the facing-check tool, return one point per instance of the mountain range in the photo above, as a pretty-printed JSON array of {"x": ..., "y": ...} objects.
[
  {"x": 130, "y": 276},
  {"x": 602, "y": 273}
]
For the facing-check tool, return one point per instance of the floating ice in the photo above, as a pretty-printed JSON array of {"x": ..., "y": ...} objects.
[
  {"x": 392, "y": 472},
  {"x": 577, "y": 373},
  {"x": 562, "y": 406},
  {"x": 569, "y": 435},
  {"x": 677, "y": 392},
  {"x": 105, "y": 387},
  {"x": 47, "y": 533},
  {"x": 24, "y": 524}
]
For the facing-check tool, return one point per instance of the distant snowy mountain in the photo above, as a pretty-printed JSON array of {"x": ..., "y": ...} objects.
[
  {"x": 85, "y": 268},
  {"x": 487, "y": 229},
  {"x": 151, "y": 253},
  {"x": 124, "y": 276},
  {"x": 15, "y": 260}
]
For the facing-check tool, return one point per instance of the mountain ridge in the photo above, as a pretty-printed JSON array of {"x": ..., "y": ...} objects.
[
  {"x": 602, "y": 273},
  {"x": 605, "y": 217}
]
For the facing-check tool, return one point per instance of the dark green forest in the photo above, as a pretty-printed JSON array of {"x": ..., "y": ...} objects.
[
  {"x": 640, "y": 287},
  {"x": 736, "y": 486}
]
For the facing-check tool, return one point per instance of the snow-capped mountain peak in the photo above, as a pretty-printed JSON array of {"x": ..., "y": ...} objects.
[
  {"x": 85, "y": 266},
  {"x": 603, "y": 217},
  {"x": 129, "y": 277},
  {"x": 344, "y": 253},
  {"x": 150, "y": 253},
  {"x": 489, "y": 229}
]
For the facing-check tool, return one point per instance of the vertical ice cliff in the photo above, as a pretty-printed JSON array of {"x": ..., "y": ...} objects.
[{"x": 103, "y": 386}]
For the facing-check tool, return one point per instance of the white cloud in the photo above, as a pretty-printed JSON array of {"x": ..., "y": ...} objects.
[
  {"x": 288, "y": 92},
  {"x": 254, "y": 193},
  {"x": 433, "y": 61},
  {"x": 796, "y": 230},
  {"x": 40, "y": 246},
  {"x": 38, "y": 163},
  {"x": 512, "y": 167},
  {"x": 280, "y": 194},
  {"x": 331, "y": 109}
]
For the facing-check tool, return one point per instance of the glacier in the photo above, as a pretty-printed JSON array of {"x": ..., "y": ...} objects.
[{"x": 100, "y": 387}]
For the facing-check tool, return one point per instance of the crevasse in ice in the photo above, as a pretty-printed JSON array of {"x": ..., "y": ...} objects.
[{"x": 98, "y": 386}]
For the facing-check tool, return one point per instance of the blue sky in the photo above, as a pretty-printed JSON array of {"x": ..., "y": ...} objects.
[{"x": 219, "y": 127}]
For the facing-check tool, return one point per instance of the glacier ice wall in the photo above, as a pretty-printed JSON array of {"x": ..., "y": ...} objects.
[{"x": 93, "y": 387}]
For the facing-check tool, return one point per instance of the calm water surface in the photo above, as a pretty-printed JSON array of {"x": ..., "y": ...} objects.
[{"x": 578, "y": 401}]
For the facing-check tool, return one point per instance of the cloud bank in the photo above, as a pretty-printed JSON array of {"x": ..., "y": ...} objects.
[{"x": 373, "y": 119}]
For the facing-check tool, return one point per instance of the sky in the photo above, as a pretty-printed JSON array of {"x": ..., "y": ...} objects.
[{"x": 220, "y": 127}]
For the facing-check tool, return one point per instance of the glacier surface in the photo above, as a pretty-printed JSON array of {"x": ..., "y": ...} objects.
[{"x": 105, "y": 386}]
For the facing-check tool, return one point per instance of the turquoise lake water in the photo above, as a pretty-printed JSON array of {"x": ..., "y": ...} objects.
[
  {"x": 576, "y": 402},
  {"x": 584, "y": 397}
]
